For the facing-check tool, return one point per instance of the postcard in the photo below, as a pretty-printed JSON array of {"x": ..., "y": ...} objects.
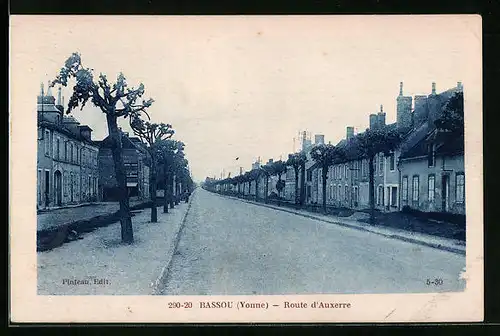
[{"x": 246, "y": 169}]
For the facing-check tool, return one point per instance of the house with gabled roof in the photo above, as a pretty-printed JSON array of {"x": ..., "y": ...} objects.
[
  {"x": 136, "y": 163},
  {"x": 67, "y": 170},
  {"x": 432, "y": 164}
]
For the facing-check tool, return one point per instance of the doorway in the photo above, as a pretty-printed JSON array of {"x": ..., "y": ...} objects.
[
  {"x": 58, "y": 187},
  {"x": 47, "y": 188}
]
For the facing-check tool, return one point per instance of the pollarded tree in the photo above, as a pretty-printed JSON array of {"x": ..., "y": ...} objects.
[
  {"x": 115, "y": 100},
  {"x": 267, "y": 170},
  {"x": 239, "y": 179},
  {"x": 278, "y": 169},
  {"x": 296, "y": 160},
  {"x": 180, "y": 162},
  {"x": 452, "y": 118},
  {"x": 254, "y": 176},
  {"x": 184, "y": 178},
  {"x": 369, "y": 144},
  {"x": 325, "y": 156},
  {"x": 302, "y": 196},
  {"x": 152, "y": 135},
  {"x": 170, "y": 152},
  {"x": 247, "y": 179}
]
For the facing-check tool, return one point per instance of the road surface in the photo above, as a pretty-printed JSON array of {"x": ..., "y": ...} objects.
[{"x": 229, "y": 247}]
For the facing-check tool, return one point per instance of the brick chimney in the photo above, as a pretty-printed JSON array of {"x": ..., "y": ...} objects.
[
  {"x": 460, "y": 87},
  {"x": 381, "y": 116},
  {"x": 373, "y": 121},
  {"x": 403, "y": 109},
  {"x": 85, "y": 132},
  {"x": 433, "y": 92},
  {"x": 349, "y": 132},
  {"x": 319, "y": 139}
]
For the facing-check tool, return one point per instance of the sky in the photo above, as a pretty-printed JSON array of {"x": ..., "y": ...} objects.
[{"x": 244, "y": 86}]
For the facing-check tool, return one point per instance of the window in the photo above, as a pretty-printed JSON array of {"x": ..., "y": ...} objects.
[
  {"x": 58, "y": 148},
  {"x": 309, "y": 175},
  {"x": 380, "y": 198},
  {"x": 431, "y": 187},
  {"x": 346, "y": 169},
  {"x": 381, "y": 164},
  {"x": 431, "y": 155},
  {"x": 71, "y": 152},
  {"x": 460, "y": 188},
  {"x": 340, "y": 193},
  {"x": 392, "y": 162},
  {"x": 415, "y": 186},
  {"x": 346, "y": 193},
  {"x": 39, "y": 185},
  {"x": 47, "y": 142},
  {"x": 404, "y": 185},
  {"x": 65, "y": 185},
  {"x": 394, "y": 196}
]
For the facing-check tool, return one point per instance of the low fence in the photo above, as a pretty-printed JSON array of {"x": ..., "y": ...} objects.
[
  {"x": 55, "y": 237},
  {"x": 282, "y": 202}
]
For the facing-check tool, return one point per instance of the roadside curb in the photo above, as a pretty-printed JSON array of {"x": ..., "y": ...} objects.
[
  {"x": 158, "y": 284},
  {"x": 360, "y": 228}
]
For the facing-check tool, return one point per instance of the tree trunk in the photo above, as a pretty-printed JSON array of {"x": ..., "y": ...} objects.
[
  {"x": 302, "y": 183},
  {"x": 371, "y": 189},
  {"x": 127, "y": 232},
  {"x": 176, "y": 192},
  {"x": 324, "y": 174},
  {"x": 165, "y": 188},
  {"x": 257, "y": 189},
  {"x": 171, "y": 190},
  {"x": 296, "y": 185},
  {"x": 279, "y": 190},
  {"x": 152, "y": 188},
  {"x": 266, "y": 189}
]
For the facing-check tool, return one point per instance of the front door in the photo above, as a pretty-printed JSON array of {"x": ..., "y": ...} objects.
[{"x": 445, "y": 192}]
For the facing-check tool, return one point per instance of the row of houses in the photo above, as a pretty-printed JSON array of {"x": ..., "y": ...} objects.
[
  {"x": 72, "y": 168},
  {"x": 425, "y": 172}
]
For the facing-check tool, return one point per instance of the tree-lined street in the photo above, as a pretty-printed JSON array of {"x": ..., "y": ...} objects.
[{"x": 231, "y": 247}]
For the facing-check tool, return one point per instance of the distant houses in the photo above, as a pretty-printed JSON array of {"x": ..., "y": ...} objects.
[{"x": 425, "y": 172}]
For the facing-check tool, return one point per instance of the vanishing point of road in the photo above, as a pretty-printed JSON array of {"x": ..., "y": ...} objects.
[{"x": 231, "y": 247}]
